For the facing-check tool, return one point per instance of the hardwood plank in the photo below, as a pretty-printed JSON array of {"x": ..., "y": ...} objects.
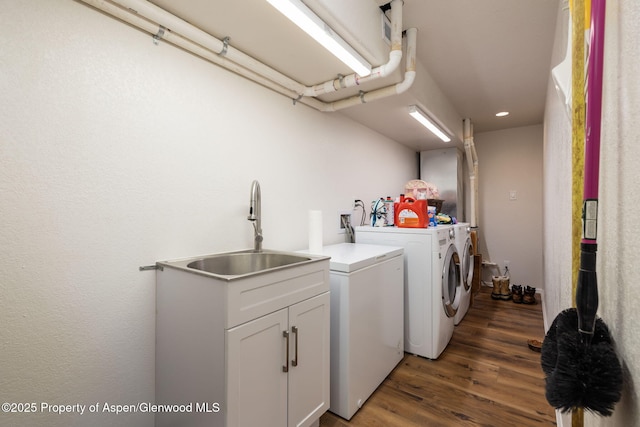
[{"x": 487, "y": 376}]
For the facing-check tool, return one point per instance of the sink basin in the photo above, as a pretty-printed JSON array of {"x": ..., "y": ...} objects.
[
  {"x": 250, "y": 284},
  {"x": 241, "y": 263}
]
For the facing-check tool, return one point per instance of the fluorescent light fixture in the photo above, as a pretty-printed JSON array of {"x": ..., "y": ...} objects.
[
  {"x": 311, "y": 24},
  {"x": 427, "y": 122},
  {"x": 502, "y": 114}
]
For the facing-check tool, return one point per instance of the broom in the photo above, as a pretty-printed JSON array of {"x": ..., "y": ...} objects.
[{"x": 581, "y": 367}]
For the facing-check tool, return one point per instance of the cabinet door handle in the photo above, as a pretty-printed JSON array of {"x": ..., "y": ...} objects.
[
  {"x": 294, "y": 329},
  {"x": 285, "y": 368}
]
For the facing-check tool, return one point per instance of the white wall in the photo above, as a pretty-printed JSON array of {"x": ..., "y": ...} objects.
[
  {"x": 115, "y": 153},
  {"x": 618, "y": 228},
  {"x": 511, "y": 230},
  {"x": 557, "y": 189}
]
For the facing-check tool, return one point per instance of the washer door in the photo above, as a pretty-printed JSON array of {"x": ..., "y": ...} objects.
[
  {"x": 467, "y": 265},
  {"x": 451, "y": 281}
]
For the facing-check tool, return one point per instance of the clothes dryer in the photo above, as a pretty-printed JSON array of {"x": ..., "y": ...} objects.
[
  {"x": 432, "y": 279},
  {"x": 465, "y": 251}
]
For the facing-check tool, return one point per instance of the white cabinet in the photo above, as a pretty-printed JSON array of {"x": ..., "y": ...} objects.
[
  {"x": 227, "y": 344},
  {"x": 278, "y": 366},
  {"x": 309, "y": 357},
  {"x": 255, "y": 378}
]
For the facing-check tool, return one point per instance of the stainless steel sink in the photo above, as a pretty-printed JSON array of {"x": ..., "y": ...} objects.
[
  {"x": 230, "y": 266},
  {"x": 242, "y": 264},
  {"x": 236, "y": 264}
]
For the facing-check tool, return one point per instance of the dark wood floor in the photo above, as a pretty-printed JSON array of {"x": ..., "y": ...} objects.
[{"x": 487, "y": 376}]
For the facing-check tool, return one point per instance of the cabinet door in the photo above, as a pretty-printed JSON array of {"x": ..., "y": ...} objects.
[
  {"x": 256, "y": 381},
  {"x": 309, "y": 323}
]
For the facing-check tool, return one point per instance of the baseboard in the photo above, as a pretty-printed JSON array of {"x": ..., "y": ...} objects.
[
  {"x": 563, "y": 419},
  {"x": 560, "y": 417},
  {"x": 545, "y": 320}
]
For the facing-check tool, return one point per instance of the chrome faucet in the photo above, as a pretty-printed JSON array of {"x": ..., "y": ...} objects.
[{"x": 255, "y": 215}]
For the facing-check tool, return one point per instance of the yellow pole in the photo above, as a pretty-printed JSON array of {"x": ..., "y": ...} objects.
[{"x": 580, "y": 17}]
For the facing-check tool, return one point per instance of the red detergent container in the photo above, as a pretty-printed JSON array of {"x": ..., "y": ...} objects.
[{"x": 411, "y": 213}]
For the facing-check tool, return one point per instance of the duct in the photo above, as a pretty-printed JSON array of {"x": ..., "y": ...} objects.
[
  {"x": 472, "y": 164},
  {"x": 154, "y": 20}
]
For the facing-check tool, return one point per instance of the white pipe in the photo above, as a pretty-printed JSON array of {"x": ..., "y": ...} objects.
[
  {"x": 395, "y": 56},
  {"x": 396, "y": 89},
  {"x": 177, "y": 40},
  {"x": 188, "y": 31},
  {"x": 148, "y": 17},
  {"x": 176, "y": 25},
  {"x": 472, "y": 164}
]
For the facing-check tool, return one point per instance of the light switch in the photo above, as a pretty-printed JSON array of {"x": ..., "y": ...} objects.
[{"x": 513, "y": 195}]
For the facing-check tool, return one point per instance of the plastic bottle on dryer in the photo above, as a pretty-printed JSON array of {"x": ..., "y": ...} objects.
[{"x": 390, "y": 211}]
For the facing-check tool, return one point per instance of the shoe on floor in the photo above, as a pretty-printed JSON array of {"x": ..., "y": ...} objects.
[
  {"x": 529, "y": 296},
  {"x": 516, "y": 293},
  {"x": 505, "y": 293},
  {"x": 495, "y": 293}
]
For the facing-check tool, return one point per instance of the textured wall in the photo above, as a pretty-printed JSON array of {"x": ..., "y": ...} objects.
[
  {"x": 557, "y": 189},
  {"x": 511, "y": 230},
  {"x": 115, "y": 153},
  {"x": 618, "y": 228}
]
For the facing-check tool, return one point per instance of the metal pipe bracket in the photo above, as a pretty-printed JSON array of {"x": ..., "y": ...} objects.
[{"x": 159, "y": 35}]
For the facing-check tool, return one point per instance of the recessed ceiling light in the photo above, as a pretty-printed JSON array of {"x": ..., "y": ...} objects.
[{"x": 502, "y": 114}]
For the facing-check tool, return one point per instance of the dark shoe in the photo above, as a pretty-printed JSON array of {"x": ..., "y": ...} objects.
[
  {"x": 516, "y": 293},
  {"x": 529, "y": 296}
]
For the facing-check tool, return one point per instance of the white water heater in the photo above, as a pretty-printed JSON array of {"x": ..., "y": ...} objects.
[{"x": 444, "y": 168}]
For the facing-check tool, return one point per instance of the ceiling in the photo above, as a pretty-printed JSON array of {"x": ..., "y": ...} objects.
[{"x": 485, "y": 56}]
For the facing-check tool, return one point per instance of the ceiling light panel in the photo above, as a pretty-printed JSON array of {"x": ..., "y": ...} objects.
[
  {"x": 428, "y": 122},
  {"x": 298, "y": 13}
]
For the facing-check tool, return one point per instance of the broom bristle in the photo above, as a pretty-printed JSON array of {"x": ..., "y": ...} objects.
[{"x": 578, "y": 375}]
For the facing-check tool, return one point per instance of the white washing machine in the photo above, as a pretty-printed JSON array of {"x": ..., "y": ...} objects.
[
  {"x": 367, "y": 320},
  {"x": 465, "y": 250},
  {"x": 431, "y": 281}
]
